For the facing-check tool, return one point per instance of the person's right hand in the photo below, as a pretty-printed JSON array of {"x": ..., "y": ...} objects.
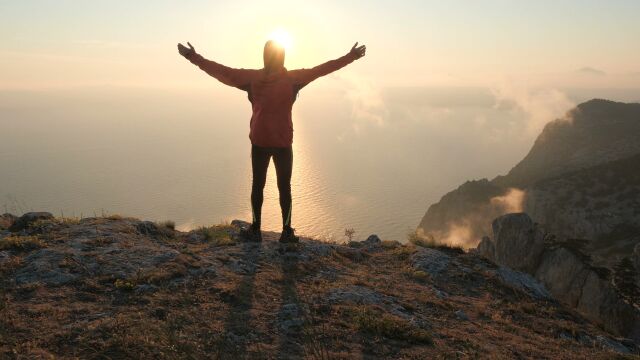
[
  {"x": 186, "y": 51},
  {"x": 358, "y": 51}
]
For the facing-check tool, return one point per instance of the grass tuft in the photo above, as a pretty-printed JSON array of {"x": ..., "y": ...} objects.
[
  {"x": 377, "y": 323},
  {"x": 218, "y": 235},
  {"x": 126, "y": 285},
  {"x": 167, "y": 224},
  {"x": 21, "y": 243}
]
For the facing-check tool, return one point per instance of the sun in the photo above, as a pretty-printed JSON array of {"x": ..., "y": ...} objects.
[{"x": 282, "y": 37}]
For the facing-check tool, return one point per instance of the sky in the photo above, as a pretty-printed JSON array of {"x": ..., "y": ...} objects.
[
  {"x": 67, "y": 43},
  {"x": 448, "y": 91}
]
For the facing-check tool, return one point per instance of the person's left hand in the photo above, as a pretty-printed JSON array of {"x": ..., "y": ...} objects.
[
  {"x": 358, "y": 51},
  {"x": 186, "y": 51}
]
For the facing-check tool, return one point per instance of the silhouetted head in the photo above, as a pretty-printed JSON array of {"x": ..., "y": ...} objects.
[{"x": 273, "y": 56}]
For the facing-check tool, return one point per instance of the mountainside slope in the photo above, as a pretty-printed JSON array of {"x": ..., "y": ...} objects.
[
  {"x": 593, "y": 133},
  {"x": 598, "y": 133},
  {"x": 123, "y": 288}
]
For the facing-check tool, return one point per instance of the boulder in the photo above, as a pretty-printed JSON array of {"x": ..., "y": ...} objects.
[
  {"x": 6, "y": 220},
  {"x": 487, "y": 249},
  {"x": 519, "y": 242},
  {"x": 432, "y": 261},
  {"x": 29, "y": 218},
  {"x": 523, "y": 282},
  {"x": 372, "y": 240}
]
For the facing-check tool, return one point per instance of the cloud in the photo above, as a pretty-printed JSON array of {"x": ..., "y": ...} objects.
[
  {"x": 367, "y": 104},
  {"x": 467, "y": 231},
  {"x": 591, "y": 71},
  {"x": 511, "y": 202},
  {"x": 539, "y": 105}
]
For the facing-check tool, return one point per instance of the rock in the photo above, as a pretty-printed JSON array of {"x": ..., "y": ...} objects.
[
  {"x": 147, "y": 228},
  {"x": 518, "y": 242},
  {"x": 431, "y": 261},
  {"x": 5, "y": 256},
  {"x": 372, "y": 240},
  {"x": 145, "y": 289},
  {"x": 573, "y": 281},
  {"x": 564, "y": 274},
  {"x": 636, "y": 259},
  {"x": 43, "y": 266},
  {"x": 523, "y": 282},
  {"x": 316, "y": 248},
  {"x": 461, "y": 315},
  {"x": 610, "y": 344},
  {"x": 353, "y": 254},
  {"x": 365, "y": 296},
  {"x": 6, "y": 220},
  {"x": 27, "y": 219},
  {"x": 240, "y": 224},
  {"x": 242, "y": 267},
  {"x": 439, "y": 293},
  {"x": 486, "y": 248}
]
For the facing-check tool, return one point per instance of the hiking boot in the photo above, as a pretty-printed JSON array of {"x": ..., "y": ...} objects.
[
  {"x": 287, "y": 236},
  {"x": 251, "y": 234}
]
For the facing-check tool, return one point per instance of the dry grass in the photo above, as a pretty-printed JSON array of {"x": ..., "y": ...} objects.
[
  {"x": 167, "y": 224},
  {"x": 218, "y": 235},
  {"x": 372, "y": 321},
  {"x": 21, "y": 243}
]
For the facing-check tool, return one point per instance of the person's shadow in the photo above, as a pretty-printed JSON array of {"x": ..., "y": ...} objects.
[
  {"x": 234, "y": 339},
  {"x": 291, "y": 316}
]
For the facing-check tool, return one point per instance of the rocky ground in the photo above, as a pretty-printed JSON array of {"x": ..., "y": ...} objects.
[{"x": 114, "y": 287}]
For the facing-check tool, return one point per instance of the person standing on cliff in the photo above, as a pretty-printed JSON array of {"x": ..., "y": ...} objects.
[{"x": 272, "y": 91}]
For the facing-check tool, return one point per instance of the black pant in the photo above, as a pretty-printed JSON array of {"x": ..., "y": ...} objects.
[{"x": 283, "y": 160}]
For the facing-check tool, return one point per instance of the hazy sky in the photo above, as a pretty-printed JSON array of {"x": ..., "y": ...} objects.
[
  {"x": 584, "y": 43},
  {"x": 448, "y": 91}
]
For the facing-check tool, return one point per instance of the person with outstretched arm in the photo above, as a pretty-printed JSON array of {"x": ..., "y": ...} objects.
[{"x": 272, "y": 91}]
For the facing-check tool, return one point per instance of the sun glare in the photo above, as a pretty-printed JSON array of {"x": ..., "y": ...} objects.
[{"x": 282, "y": 37}]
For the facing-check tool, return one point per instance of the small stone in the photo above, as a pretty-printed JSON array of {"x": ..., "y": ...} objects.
[{"x": 461, "y": 315}]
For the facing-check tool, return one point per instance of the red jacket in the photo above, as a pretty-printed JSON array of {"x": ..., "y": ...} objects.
[{"x": 272, "y": 96}]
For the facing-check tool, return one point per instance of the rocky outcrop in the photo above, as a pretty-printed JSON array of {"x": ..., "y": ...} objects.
[
  {"x": 486, "y": 248},
  {"x": 565, "y": 271},
  {"x": 593, "y": 133},
  {"x": 518, "y": 242},
  {"x": 123, "y": 288},
  {"x": 29, "y": 218},
  {"x": 580, "y": 180}
]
